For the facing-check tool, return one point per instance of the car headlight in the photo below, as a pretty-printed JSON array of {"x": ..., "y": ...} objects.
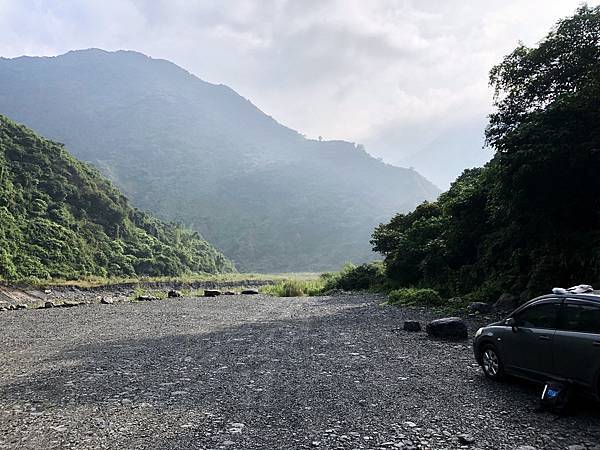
[{"x": 479, "y": 332}]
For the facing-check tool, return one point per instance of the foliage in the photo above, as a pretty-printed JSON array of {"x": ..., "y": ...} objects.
[
  {"x": 200, "y": 154},
  {"x": 294, "y": 288},
  {"x": 60, "y": 218},
  {"x": 530, "y": 219},
  {"x": 369, "y": 276},
  {"x": 415, "y": 297}
]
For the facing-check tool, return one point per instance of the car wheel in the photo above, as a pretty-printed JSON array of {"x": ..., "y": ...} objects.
[{"x": 491, "y": 363}]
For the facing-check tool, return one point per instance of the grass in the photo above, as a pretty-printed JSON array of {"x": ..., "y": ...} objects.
[
  {"x": 295, "y": 287},
  {"x": 415, "y": 297},
  {"x": 93, "y": 281}
]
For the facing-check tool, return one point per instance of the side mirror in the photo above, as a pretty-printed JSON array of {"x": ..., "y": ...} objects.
[{"x": 511, "y": 322}]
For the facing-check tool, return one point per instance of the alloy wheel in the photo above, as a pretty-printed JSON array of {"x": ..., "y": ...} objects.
[{"x": 491, "y": 363}]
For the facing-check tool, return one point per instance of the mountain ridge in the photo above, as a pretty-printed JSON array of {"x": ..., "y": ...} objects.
[
  {"x": 201, "y": 154},
  {"x": 60, "y": 218}
]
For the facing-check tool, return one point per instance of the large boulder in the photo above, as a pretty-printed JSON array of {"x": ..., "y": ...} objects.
[
  {"x": 174, "y": 294},
  {"x": 480, "y": 308},
  {"x": 506, "y": 302},
  {"x": 448, "y": 328}
]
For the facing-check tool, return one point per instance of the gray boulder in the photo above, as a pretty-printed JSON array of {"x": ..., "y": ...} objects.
[
  {"x": 480, "y": 308},
  {"x": 506, "y": 302},
  {"x": 49, "y": 304},
  {"x": 448, "y": 328},
  {"x": 174, "y": 294},
  {"x": 146, "y": 298},
  {"x": 412, "y": 325},
  {"x": 106, "y": 301},
  {"x": 212, "y": 292}
]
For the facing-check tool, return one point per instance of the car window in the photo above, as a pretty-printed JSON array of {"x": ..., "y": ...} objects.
[
  {"x": 538, "y": 316},
  {"x": 581, "y": 317}
]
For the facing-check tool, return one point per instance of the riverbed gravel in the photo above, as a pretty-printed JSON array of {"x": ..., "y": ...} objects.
[{"x": 247, "y": 372}]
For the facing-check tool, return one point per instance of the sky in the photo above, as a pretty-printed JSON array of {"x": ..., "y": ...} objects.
[{"x": 394, "y": 75}]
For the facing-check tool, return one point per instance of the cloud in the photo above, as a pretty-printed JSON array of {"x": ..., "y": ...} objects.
[{"x": 393, "y": 74}]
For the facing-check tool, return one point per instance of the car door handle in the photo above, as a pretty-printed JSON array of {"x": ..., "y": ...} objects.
[{"x": 544, "y": 338}]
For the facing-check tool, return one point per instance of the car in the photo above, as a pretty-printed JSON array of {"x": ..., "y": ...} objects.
[{"x": 552, "y": 337}]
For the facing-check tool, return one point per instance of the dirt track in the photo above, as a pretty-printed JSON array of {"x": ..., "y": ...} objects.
[{"x": 257, "y": 372}]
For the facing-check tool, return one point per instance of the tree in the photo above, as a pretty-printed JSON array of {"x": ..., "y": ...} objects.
[{"x": 530, "y": 219}]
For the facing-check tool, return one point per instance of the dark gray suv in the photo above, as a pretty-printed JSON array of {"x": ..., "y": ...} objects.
[{"x": 551, "y": 337}]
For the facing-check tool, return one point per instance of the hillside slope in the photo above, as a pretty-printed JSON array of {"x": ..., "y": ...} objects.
[
  {"x": 202, "y": 155},
  {"x": 60, "y": 218}
]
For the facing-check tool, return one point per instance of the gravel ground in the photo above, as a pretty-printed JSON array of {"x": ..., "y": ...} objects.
[{"x": 258, "y": 372}]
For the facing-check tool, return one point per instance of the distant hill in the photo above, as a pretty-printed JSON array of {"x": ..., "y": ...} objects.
[
  {"x": 202, "y": 155},
  {"x": 61, "y": 218},
  {"x": 448, "y": 155}
]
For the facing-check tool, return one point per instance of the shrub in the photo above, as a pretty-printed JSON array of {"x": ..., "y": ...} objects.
[
  {"x": 294, "y": 288},
  {"x": 415, "y": 297},
  {"x": 369, "y": 276}
]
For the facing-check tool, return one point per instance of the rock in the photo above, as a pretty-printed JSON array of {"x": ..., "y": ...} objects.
[
  {"x": 212, "y": 292},
  {"x": 174, "y": 294},
  {"x": 412, "y": 325},
  {"x": 229, "y": 293},
  {"x": 106, "y": 301},
  {"x": 21, "y": 306},
  {"x": 250, "y": 292},
  {"x": 410, "y": 424},
  {"x": 480, "y": 308},
  {"x": 448, "y": 328},
  {"x": 506, "y": 302},
  {"x": 2, "y": 308},
  {"x": 70, "y": 303},
  {"x": 146, "y": 298},
  {"x": 49, "y": 304},
  {"x": 465, "y": 439},
  {"x": 47, "y": 291}
]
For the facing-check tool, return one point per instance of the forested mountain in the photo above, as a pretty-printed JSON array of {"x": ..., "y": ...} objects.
[
  {"x": 60, "y": 218},
  {"x": 530, "y": 219},
  {"x": 200, "y": 154}
]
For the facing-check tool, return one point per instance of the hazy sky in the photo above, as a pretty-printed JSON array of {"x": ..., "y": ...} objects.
[{"x": 392, "y": 74}]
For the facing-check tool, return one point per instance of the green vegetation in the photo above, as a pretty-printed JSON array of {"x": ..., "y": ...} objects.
[
  {"x": 415, "y": 297},
  {"x": 59, "y": 218},
  {"x": 294, "y": 288},
  {"x": 530, "y": 219},
  {"x": 201, "y": 155},
  {"x": 89, "y": 281},
  {"x": 369, "y": 276}
]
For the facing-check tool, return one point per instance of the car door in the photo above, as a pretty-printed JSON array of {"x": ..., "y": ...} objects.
[
  {"x": 577, "y": 342},
  {"x": 528, "y": 348}
]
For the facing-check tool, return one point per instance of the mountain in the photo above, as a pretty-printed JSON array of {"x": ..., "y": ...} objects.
[
  {"x": 449, "y": 154},
  {"x": 60, "y": 218},
  {"x": 200, "y": 154}
]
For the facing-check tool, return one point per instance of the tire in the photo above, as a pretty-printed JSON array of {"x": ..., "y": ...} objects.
[{"x": 491, "y": 363}]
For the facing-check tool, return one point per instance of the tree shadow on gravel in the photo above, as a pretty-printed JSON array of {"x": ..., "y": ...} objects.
[{"x": 286, "y": 382}]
